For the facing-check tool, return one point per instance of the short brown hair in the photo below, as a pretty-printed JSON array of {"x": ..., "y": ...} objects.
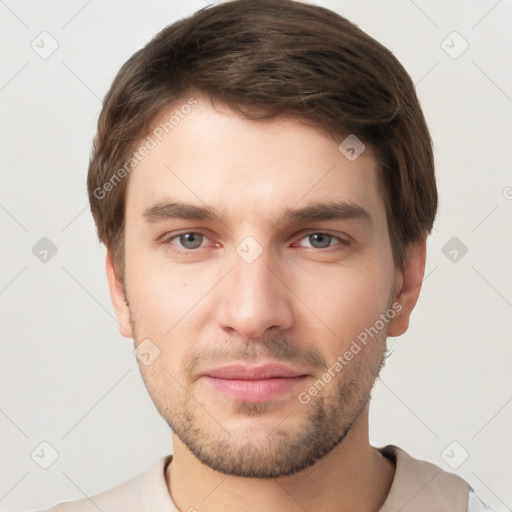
[{"x": 264, "y": 59}]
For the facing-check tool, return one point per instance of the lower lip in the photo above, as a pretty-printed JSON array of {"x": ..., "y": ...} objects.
[{"x": 256, "y": 390}]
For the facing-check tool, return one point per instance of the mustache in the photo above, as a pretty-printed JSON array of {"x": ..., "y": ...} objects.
[{"x": 272, "y": 347}]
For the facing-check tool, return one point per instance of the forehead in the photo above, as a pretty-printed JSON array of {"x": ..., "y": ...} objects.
[{"x": 210, "y": 156}]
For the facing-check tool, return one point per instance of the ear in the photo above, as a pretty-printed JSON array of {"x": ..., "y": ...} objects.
[
  {"x": 118, "y": 298},
  {"x": 408, "y": 285}
]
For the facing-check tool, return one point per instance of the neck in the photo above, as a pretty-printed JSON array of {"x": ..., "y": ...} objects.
[{"x": 353, "y": 476}]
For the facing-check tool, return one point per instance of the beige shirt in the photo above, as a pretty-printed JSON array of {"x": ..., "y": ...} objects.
[{"x": 418, "y": 486}]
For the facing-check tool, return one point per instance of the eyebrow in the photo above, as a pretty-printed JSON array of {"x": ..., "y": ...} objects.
[{"x": 331, "y": 210}]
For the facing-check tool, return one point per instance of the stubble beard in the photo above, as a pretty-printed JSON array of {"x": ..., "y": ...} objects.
[{"x": 290, "y": 446}]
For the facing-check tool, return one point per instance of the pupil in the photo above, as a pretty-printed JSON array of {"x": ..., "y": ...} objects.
[
  {"x": 192, "y": 239},
  {"x": 322, "y": 239}
]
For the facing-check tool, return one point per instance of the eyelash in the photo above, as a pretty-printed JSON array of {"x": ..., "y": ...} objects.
[{"x": 167, "y": 241}]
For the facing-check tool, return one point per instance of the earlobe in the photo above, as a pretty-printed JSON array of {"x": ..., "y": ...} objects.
[
  {"x": 408, "y": 285},
  {"x": 118, "y": 298}
]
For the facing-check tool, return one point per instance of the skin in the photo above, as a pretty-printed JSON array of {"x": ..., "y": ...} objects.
[{"x": 302, "y": 302}]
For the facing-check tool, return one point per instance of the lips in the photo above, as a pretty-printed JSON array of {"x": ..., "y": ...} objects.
[
  {"x": 248, "y": 372},
  {"x": 254, "y": 383}
]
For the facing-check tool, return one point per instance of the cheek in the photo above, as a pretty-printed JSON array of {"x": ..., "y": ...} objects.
[
  {"x": 344, "y": 302},
  {"x": 160, "y": 303},
  {"x": 351, "y": 285},
  {"x": 168, "y": 302},
  {"x": 157, "y": 293}
]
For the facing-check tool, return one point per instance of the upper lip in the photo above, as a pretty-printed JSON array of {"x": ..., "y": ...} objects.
[{"x": 253, "y": 372}]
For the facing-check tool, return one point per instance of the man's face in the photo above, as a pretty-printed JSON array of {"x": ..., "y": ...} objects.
[{"x": 255, "y": 286}]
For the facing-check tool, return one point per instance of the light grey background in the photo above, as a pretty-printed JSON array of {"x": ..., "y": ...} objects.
[{"x": 68, "y": 378}]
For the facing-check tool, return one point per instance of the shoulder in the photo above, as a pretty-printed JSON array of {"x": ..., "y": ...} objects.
[
  {"x": 133, "y": 495},
  {"x": 126, "y": 495},
  {"x": 422, "y": 486}
]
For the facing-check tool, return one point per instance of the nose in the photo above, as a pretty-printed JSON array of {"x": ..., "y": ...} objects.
[{"x": 254, "y": 298}]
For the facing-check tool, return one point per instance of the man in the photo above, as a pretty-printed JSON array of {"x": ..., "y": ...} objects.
[{"x": 263, "y": 180}]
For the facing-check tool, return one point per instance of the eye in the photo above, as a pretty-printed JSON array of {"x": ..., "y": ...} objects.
[
  {"x": 188, "y": 241},
  {"x": 192, "y": 240},
  {"x": 322, "y": 240}
]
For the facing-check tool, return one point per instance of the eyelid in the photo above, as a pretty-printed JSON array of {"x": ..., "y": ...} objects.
[
  {"x": 166, "y": 239},
  {"x": 344, "y": 240}
]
